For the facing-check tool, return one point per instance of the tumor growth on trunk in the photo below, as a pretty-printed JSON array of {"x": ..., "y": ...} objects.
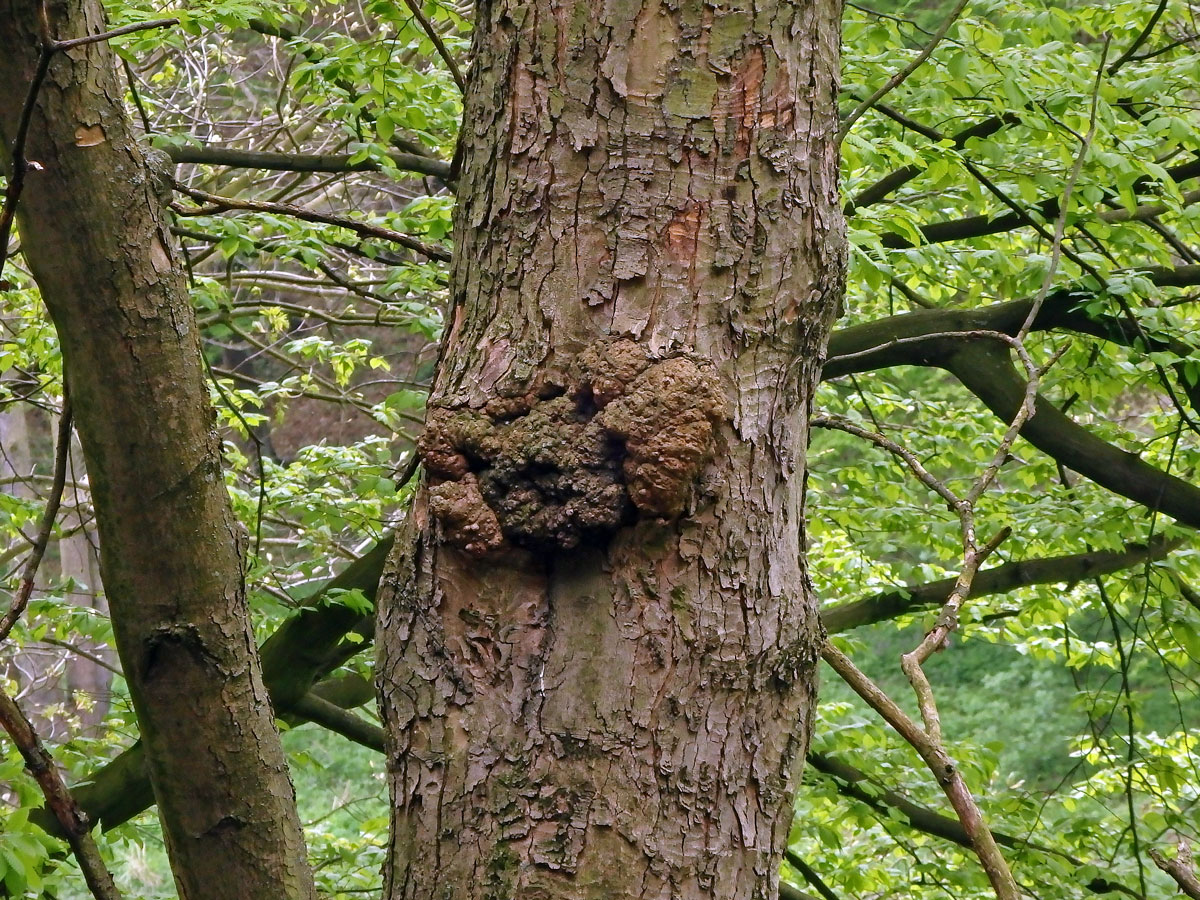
[{"x": 616, "y": 436}]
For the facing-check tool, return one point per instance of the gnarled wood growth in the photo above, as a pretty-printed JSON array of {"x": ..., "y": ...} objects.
[{"x": 598, "y": 649}]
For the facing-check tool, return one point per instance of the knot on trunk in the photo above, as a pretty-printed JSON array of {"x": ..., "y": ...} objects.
[{"x": 618, "y": 437}]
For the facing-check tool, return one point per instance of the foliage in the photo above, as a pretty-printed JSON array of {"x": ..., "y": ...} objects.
[{"x": 1068, "y": 705}]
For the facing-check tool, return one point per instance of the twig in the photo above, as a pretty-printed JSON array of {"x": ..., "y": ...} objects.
[
  {"x": 940, "y": 764},
  {"x": 116, "y": 32},
  {"x": 410, "y": 469},
  {"x": 258, "y": 454},
  {"x": 73, "y": 820},
  {"x": 131, "y": 80},
  {"x": 882, "y": 15},
  {"x": 905, "y": 454},
  {"x": 897, "y": 79},
  {"x": 362, "y": 229},
  {"x": 1060, "y": 224},
  {"x": 20, "y": 165},
  {"x": 62, "y": 452},
  {"x": 947, "y": 621},
  {"x": 1150, "y": 54},
  {"x": 415, "y": 7},
  {"x": 86, "y": 654},
  {"x": 1138, "y": 41}
]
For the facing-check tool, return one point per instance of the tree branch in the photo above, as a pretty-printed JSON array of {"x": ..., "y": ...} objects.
[
  {"x": 1141, "y": 39},
  {"x": 944, "y": 770},
  {"x": 414, "y": 7},
  {"x": 20, "y": 165},
  {"x": 848, "y": 781},
  {"x": 984, "y": 368},
  {"x": 875, "y": 345},
  {"x": 893, "y": 181},
  {"x": 1180, "y": 869},
  {"x": 339, "y": 720},
  {"x": 791, "y": 892},
  {"x": 210, "y": 155},
  {"x": 979, "y": 226},
  {"x": 997, "y": 580},
  {"x": 362, "y": 229},
  {"x": 810, "y": 875},
  {"x": 852, "y": 347},
  {"x": 303, "y": 649},
  {"x": 72, "y": 821}
]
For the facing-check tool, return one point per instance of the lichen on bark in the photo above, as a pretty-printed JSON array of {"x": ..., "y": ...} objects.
[{"x": 616, "y": 437}]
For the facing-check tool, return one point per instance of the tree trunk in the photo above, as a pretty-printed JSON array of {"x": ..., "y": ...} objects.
[
  {"x": 598, "y": 646},
  {"x": 93, "y": 232}
]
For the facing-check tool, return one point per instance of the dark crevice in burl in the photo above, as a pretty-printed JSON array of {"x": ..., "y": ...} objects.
[{"x": 617, "y": 437}]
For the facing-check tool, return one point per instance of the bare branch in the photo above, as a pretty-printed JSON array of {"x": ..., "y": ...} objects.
[
  {"x": 362, "y": 229},
  {"x": 71, "y": 819},
  {"x": 210, "y": 155},
  {"x": 414, "y": 7},
  {"x": 1181, "y": 868},
  {"x": 891, "y": 446},
  {"x": 997, "y": 580},
  {"x": 62, "y": 452},
  {"x": 944, "y": 770}
]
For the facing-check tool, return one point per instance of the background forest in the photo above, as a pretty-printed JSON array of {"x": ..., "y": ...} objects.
[{"x": 1027, "y": 158}]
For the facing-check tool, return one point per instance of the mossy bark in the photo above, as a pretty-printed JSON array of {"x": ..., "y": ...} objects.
[
  {"x": 598, "y": 643},
  {"x": 94, "y": 235}
]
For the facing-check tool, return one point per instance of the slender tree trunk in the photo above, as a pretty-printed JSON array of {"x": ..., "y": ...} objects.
[
  {"x": 86, "y": 684},
  {"x": 598, "y": 648},
  {"x": 93, "y": 232}
]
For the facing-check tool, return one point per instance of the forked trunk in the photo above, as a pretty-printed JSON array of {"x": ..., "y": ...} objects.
[{"x": 598, "y": 651}]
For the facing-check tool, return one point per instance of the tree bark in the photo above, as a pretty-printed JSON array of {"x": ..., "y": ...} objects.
[
  {"x": 94, "y": 235},
  {"x": 598, "y": 643}
]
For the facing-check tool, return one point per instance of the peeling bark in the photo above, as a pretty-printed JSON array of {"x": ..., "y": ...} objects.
[
  {"x": 95, "y": 237},
  {"x": 598, "y": 645}
]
